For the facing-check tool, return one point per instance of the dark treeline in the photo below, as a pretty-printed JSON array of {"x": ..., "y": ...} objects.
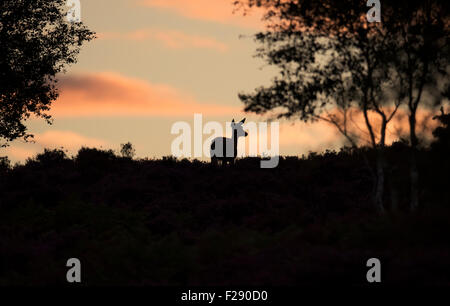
[{"x": 179, "y": 222}]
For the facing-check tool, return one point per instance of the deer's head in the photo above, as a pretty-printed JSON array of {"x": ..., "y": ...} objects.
[{"x": 238, "y": 127}]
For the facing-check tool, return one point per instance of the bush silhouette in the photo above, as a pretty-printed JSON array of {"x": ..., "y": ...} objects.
[
  {"x": 442, "y": 134},
  {"x": 51, "y": 157},
  {"x": 5, "y": 164},
  {"x": 94, "y": 157},
  {"x": 181, "y": 222},
  {"x": 127, "y": 150}
]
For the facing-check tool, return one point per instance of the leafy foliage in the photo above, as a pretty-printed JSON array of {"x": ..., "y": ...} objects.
[
  {"x": 127, "y": 150},
  {"x": 5, "y": 163},
  {"x": 442, "y": 133},
  {"x": 332, "y": 61},
  {"x": 36, "y": 43}
]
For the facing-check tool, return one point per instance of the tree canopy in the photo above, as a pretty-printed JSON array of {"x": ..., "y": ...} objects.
[
  {"x": 329, "y": 55},
  {"x": 36, "y": 43},
  {"x": 335, "y": 65}
]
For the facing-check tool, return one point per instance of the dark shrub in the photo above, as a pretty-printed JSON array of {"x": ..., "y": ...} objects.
[
  {"x": 93, "y": 156},
  {"x": 5, "y": 164},
  {"x": 127, "y": 150},
  {"x": 52, "y": 157}
]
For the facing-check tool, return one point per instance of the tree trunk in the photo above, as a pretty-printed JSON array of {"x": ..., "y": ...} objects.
[
  {"x": 414, "y": 177},
  {"x": 413, "y": 170},
  {"x": 393, "y": 192},
  {"x": 379, "y": 191}
]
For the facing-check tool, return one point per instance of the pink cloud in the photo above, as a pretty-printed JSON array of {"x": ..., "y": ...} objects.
[
  {"x": 170, "y": 38},
  {"x": 111, "y": 94},
  {"x": 220, "y": 11}
]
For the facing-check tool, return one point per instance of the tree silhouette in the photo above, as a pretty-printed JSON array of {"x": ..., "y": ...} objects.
[
  {"x": 127, "y": 150},
  {"x": 36, "y": 43},
  {"x": 333, "y": 68},
  {"x": 419, "y": 35},
  {"x": 334, "y": 64},
  {"x": 442, "y": 133}
]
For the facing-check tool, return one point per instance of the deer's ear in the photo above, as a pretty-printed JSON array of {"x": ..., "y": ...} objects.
[{"x": 243, "y": 121}]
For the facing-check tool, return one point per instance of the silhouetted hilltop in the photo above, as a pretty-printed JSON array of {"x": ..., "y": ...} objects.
[{"x": 174, "y": 221}]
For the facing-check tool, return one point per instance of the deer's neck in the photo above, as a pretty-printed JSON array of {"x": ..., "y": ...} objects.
[{"x": 234, "y": 137}]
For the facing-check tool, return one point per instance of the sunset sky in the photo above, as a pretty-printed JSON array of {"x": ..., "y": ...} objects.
[{"x": 156, "y": 62}]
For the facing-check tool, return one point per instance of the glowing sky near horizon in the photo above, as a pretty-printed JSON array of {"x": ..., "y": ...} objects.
[{"x": 156, "y": 62}]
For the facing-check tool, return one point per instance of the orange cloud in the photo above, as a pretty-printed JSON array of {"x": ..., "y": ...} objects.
[
  {"x": 111, "y": 94},
  {"x": 220, "y": 11},
  {"x": 309, "y": 137},
  {"x": 396, "y": 129},
  {"x": 170, "y": 38},
  {"x": 294, "y": 138}
]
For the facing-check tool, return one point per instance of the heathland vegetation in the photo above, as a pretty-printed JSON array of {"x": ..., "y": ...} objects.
[{"x": 177, "y": 222}]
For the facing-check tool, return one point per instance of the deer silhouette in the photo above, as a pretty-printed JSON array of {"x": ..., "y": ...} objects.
[{"x": 224, "y": 149}]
